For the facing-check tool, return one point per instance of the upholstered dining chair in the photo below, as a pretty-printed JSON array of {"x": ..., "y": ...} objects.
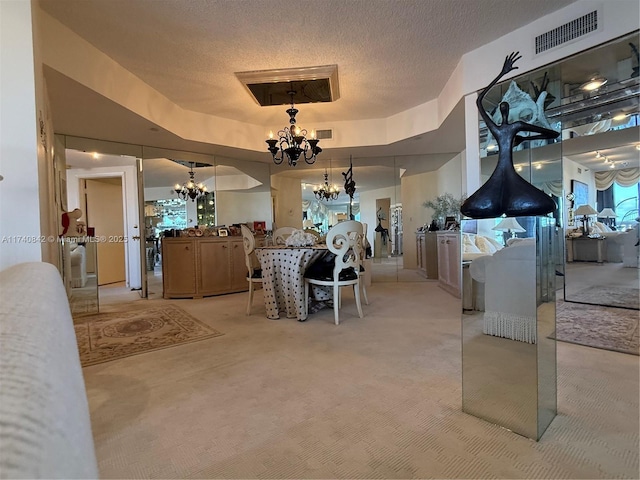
[
  {"x": 342, "y": 241},
  {"x": 254, "y": 275},
  {"x": 281, "y": 234}
]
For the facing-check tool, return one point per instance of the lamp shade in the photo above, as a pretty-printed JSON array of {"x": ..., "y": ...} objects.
[
  {"x": 585, "y": 210},
  {"x": 509, "y": 224},
  {"x": 308, "y": 223},
  {"x": 607, "y": 213}
]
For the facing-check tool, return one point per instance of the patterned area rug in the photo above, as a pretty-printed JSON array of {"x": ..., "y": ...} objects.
[
  {"x": 600, "y": 327},
  {"x": 608, "y": 295},
  {"x": 109, "y": 336}
]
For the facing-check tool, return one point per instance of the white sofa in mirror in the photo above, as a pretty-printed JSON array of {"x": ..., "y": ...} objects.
[
  {"x": 504, "y": 282},
  {"x": 613, "y": 246}
]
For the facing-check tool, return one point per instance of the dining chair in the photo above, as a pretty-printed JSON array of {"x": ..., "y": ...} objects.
[
  {"x": 342, "y": 241},
  {"x": 281, "y": 234},
  {"x": 254, "y": 275}
]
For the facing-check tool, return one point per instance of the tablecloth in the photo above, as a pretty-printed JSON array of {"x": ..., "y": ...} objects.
[{"x": 283, "y": 271}]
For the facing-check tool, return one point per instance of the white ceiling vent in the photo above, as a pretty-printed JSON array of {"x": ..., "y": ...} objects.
[
  {"x": 569, "y": 31},
  {"x": 324, "y": 134}
]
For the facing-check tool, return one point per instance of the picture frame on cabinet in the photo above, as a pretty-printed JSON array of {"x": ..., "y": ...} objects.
[{"x": 223, "y": 232}]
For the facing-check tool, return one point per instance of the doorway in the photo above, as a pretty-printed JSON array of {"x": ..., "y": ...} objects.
[{"x": 104, "y": 212}]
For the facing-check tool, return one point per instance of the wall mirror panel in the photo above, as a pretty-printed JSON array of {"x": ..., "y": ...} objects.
[
  {"x": 100, "y": 188},
  {"x": 598, "y": 151},
  {"x": 601, "y": 156}
]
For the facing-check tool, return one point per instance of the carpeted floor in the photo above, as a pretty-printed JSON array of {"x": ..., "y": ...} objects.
[
  {"x": 110, "y": 336},
  {"x": 614, "y": 296},
  {"x": 596, "y": 326}
]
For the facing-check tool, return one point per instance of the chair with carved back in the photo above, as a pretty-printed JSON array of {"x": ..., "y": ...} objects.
[
  {"x": 342, "y": 242},
  {"x": 281, "y": 234},
  {"x": 254, "y": 275}
]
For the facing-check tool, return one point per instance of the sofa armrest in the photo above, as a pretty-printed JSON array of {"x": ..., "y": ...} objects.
[{"x": 45, "y": 430}]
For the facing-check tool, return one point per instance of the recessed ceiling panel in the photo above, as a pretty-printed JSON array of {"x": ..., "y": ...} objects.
[{"x": 309, "y": 84}]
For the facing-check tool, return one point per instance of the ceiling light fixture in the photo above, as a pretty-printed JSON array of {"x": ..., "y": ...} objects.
[
  {"x": 620, "y": 116},
  {"x": 326, "y": 192},
  {"x": 598, "y": 154},
  {"x": 594, "y": 83},
  {"x": 292, "y": 141},
  {"x": 190, "y": 189}
]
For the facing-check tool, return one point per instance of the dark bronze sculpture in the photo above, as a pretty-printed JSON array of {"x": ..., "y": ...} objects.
[
  {"x": 506, "y": 192},
  {"x": 350, "y": 188}
]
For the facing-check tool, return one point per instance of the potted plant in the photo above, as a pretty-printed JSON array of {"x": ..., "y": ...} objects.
[{"x": 445, "y": 205}]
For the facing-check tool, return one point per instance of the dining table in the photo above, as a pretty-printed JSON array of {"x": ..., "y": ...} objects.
[{"x": 283, "y": 270}]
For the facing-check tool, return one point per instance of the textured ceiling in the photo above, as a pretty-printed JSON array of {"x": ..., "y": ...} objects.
[{"x": 391, "y": 55}]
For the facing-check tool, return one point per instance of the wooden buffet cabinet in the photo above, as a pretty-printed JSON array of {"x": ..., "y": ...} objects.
[
  {"x": 427, "y": 254},
  {"x": 196, "y": 267}
]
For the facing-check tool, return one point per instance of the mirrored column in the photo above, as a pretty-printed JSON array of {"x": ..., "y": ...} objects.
[{"x": 508, "y": 327}]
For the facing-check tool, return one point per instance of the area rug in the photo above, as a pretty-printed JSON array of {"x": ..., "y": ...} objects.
[
  {"x": 110, "y": 336},
  {"x": 600, "y": 327},
  {"x": 609, "y": 295}
]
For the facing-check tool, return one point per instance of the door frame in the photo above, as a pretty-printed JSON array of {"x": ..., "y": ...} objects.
[{"x": 131, "y": 215}]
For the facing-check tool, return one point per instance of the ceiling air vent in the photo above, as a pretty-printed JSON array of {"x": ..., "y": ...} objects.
[
  {"x": 324, "y": 134},
  {"x": 567, "y": 32}
]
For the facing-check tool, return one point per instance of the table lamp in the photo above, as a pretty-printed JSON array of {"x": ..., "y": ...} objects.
[
  {"x": 308, "y": 223},
  {"x": 585, "y": 211},
  {"x": 608, "y": 214},
  {"x": 509, "y": 225}
]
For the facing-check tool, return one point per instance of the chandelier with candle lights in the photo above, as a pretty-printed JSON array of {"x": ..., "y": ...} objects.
[
  {"x": 292, "y": 142},
  {"x": 326, "y": 192},
  {"x": 190, "y": 189}
]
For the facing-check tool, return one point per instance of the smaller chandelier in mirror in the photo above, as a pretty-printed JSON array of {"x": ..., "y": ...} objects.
[
  {"x": 326, "y": 192},
  {"x": 292, "y": 142},
  {"x": 189, "y": 189}
]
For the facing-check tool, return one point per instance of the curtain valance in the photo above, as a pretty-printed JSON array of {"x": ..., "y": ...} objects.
[{"x": 625, "y": 177}]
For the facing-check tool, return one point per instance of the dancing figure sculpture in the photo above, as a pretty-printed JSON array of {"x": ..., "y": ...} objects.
[{"x": 506, "y": 192}]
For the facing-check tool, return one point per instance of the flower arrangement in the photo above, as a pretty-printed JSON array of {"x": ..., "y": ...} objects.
[{"x": 445, "y": 205}]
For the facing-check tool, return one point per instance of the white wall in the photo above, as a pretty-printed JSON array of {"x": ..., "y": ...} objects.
[
  {"x": 20, "y": 224},
  {"x": 243, "y": 207},
  {"x": 133, "y": 227}
]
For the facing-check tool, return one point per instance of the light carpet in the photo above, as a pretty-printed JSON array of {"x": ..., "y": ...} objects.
[
  {"x": 613, "y": 296},
  {"x": 110, "y": 336},
  {"x": 596, "y": 326}
]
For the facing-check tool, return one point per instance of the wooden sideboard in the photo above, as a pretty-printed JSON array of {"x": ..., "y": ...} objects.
[
  {"x": 196, "y": 267},
  {"x": 427, "y": 254},
  {"x": 449, "y": 262}
]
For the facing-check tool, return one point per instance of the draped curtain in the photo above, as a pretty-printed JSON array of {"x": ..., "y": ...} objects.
[{"x": 625, "y": 177}]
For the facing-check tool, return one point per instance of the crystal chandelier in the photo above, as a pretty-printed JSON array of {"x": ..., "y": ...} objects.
[
  {"x": 292, "y": 142},
  {"x": 190, "y": 189},
  {"x": 326, "y": 191}
]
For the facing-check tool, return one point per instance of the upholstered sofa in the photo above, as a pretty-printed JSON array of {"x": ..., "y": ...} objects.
[
  {"x": 474, "y": 246},
  {"x": 630, "y": 248},
  {"x": 613, "y": 246},
  {"x": 45, "y": 430},
  {"x": 78, "y": 266},
  {"x": 510, "y": 299}
]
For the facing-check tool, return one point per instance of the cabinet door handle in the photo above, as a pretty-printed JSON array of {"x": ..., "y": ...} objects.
[
  {"x": 448, "y": 242},
  {"x": 224, "y": 246},
  {"x": 186, "y": 248},
  {"x": 235, "y": 246}
]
